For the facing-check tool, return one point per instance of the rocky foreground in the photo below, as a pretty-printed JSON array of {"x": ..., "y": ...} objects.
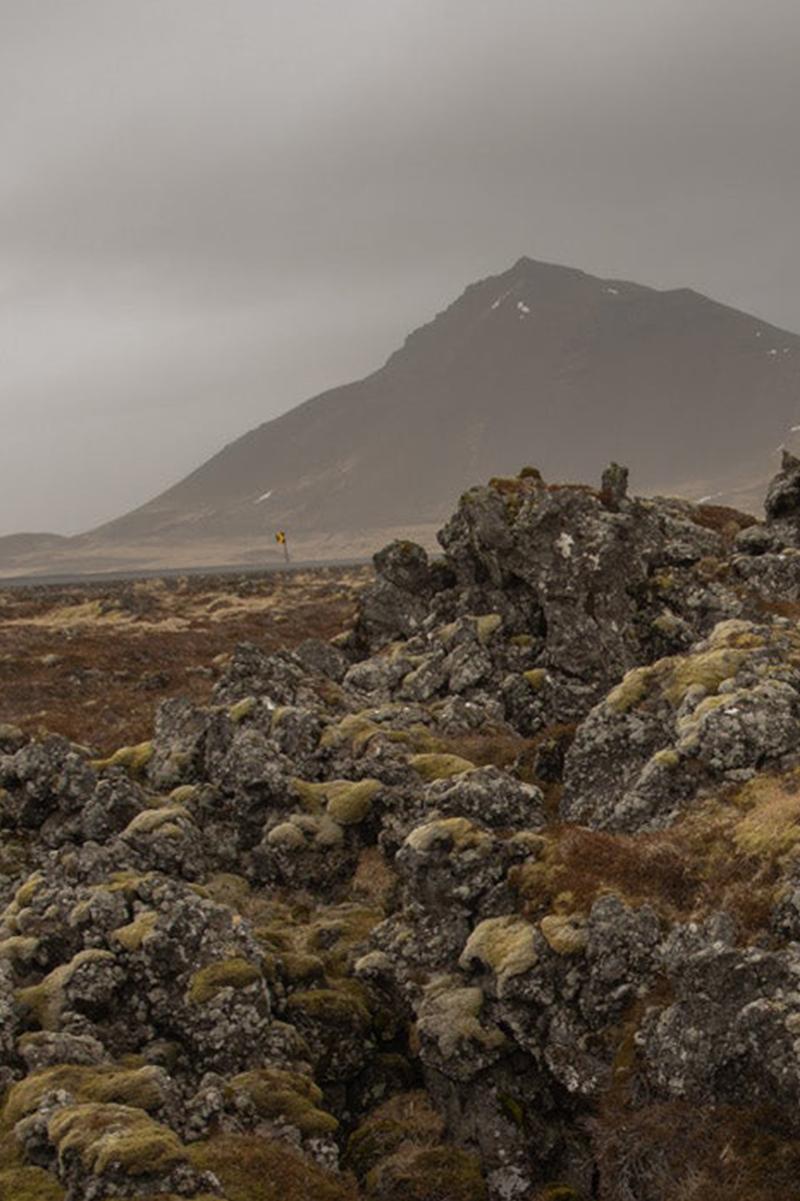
[{"x": 494, "y": 898}]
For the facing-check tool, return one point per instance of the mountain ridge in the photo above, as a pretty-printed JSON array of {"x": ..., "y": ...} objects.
[{"x": 539, "y": 363}]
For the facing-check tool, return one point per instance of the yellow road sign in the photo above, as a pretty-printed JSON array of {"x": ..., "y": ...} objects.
[{"x": 281, "y": 537}]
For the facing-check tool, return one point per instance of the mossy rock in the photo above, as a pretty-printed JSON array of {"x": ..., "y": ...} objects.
[
  {"x": 133, "y": 758},
  {"x": 672, "y": 678},
  {"x": 280, "y": 1095},
  {"x": 427, "y": 1174},
  {"x": 487, "y": 625},
  {"x": 329, "y": 1007},
  {"x": 29, "y": 1184},
  {"x": 299, "y": 967},
  {"x": 347, "y": 802},
  {"x": 439, "y": 766},
  {"x": 234, "y": 973},
  {"x": 565, "y": 933},
  {"x": 19, "y": 949},
  {"x": 457, "y": 833},
  {"x": 503, "y": 944},
  {"x": 165, "y": 821},
  {"x": 242, "y": 709},
  {"x": 408, "y": 1117},
  {"x": 184, "y": 793},
  {"x": 121, "y": 1135},
  {"x": 252, "y": 1168},
  {"x": 132, "y": 936},
  {"x": 138, "y": 1087},
  {"x": 46, "y": 999}
]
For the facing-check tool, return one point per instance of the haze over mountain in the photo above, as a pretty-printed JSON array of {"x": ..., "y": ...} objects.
[{"x": 542, "y": 364}]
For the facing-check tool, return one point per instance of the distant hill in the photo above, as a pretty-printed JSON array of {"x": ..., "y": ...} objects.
[{"x": 541, "y": 365}]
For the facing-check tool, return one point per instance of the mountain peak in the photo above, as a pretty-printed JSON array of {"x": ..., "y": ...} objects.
[{"x": 541, "y": 364}]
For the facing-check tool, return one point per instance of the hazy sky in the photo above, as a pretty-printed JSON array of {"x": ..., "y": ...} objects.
[{"x": 212, "y": 209}]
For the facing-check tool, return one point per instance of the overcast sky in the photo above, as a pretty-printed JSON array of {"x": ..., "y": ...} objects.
[{"x": 212, "y": 209}]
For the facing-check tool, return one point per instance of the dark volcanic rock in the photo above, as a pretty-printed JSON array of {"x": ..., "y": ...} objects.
[{"x": 511, "y": 869}]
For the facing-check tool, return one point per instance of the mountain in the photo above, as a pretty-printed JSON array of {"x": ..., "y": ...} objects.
[{"x": 541, "y": 364}]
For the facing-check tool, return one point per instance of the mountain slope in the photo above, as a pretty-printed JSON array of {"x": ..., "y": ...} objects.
[{"x": 542, "y": 364}]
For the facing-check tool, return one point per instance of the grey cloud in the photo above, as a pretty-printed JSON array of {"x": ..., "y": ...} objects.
[{"x": 210, "y": 210}]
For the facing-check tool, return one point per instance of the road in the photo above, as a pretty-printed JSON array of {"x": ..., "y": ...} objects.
[{"x": 160, "y": 573}]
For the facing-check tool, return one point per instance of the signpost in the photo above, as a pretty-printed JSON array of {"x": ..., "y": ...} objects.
[{"x": 280, "y": 538}]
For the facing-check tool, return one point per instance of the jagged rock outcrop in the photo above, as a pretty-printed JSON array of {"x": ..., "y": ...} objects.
[{"x": 442, "y": 909}]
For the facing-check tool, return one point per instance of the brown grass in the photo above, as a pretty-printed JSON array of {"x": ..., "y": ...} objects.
[
  {"x": 683, "y": 1152},
  {"x": 722, "y": 520},
  {"x": 730, "y": 854},
  {"x": 121, "y": 648},
  {"x": 255, "y": 1169}
]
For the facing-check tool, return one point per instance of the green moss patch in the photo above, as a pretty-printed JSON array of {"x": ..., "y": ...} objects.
[
  {"x": 139, "y": 1087},
  {"x": 227, "y": 973},
  {"x": 133, "y": 758},
  {"x": 439, "y": 766},
  {"x": 287, "y": 1096},
  {"x": 121, "y": 1135},
  {"x": 46, "y": 999}
]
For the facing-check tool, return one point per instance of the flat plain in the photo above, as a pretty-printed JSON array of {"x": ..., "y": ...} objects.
[{"x": 93, "y": 660}]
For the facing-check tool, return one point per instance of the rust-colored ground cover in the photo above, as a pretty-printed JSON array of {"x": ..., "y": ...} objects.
[{"x": 92, "y": 661}]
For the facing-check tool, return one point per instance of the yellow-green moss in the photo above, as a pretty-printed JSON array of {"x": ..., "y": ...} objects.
[
  {"x": 46, "y": 999},
  {"x": 522, "y": 640},
  {"x": 133, "y": 758},
  {"x": 450, "y": 1014},
  {"x": 771, "y": 827},
  {"x": 126, "y": 882},
  {"x": 668, "y": 758},
  {"x": 29, "y": 1184},
  {"x": 329, "y": 1006},
  {"x": 21, "y": 900},
  {"x": 184, "y": 793},
  {"x": 504, "y": 944},
  {"x": 242, "y": 709},
  {"x": 536, "y": 677},
  {"x": 428, "y": 1174},
  {"x": 357, "y": 730},
  {"x": 633, "y": 687},
  {"x": 457, "y": 832},
  {"x": 406, "y": 1118},
  {"x": 134, "y": 934},
  {"x": 278, "y": 1094},
  {"x": 19, "y": 949},
  {"x": 487, "y": 625},
  {"x": 302, "y": 829},
  {"x": 346, "y": 801},
  {"x": 298, "y": 967},
  {"x": 115, "y": 1134},
  {"x": 564, "y": 933},
  {"x": 438, "y": 766},
  {"x": 287, "y": 834},
  {"x": 707, "y": 670},
  {"x": 164, "y": 820},
  {"x": 227, "y": 973},
  {"x": 139, "y": 1087}
]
